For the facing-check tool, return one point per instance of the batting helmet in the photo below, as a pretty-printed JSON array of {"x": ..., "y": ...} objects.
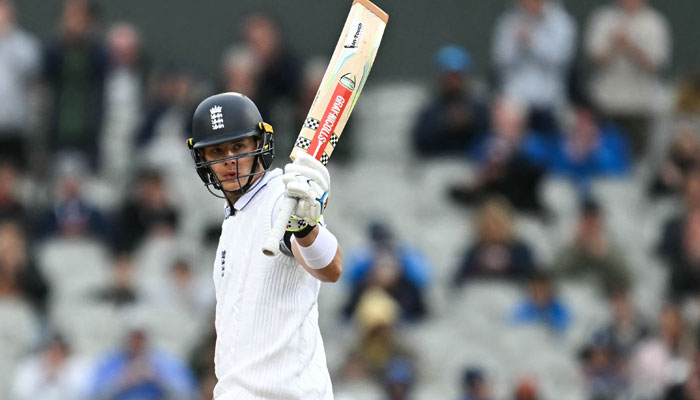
[{"x": 228, "y": 117}]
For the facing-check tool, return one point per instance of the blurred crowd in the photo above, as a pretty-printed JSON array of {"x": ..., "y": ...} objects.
[{"x": 103, "y": 222}]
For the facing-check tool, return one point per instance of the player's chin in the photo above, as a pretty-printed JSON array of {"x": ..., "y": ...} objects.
[{"x": 231, "y": 186}]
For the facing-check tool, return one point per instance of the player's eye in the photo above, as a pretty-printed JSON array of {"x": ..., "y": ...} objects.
[
  {"x": 238, "y": 147},
  {"x": 215, "y": 151}
]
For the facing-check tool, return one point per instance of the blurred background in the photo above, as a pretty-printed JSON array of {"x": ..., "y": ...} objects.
[{"x": 517, "y": 195}]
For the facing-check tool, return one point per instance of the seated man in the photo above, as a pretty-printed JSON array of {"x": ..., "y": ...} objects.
[
  {"x": 508, "y": 161},
  {"x": 592, "y": 255},
  {"x": 454, "y": 119},
  {"x": 497, "y": 252},
  {"x": 589, "y": 148}
]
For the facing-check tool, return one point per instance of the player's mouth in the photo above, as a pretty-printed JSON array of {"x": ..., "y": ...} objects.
[{"x": 230, "y": 175}]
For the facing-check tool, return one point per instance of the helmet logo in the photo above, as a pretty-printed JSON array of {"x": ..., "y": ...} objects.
[{"x": 217, "y": 118}]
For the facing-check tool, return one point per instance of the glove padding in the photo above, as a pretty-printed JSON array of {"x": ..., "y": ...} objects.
[{"x": 308, "y": 181}]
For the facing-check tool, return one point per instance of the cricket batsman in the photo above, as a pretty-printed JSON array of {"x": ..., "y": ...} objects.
[{"x": 268, "y": 342}]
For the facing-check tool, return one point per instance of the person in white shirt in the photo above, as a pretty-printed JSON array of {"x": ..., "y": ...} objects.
[
  {"x": 533, "y": 46},
  {"x": 628, "y": 43},
  {"x": 20, "y": 62},
  {"x": 268, "y": 342},
  {"x": 53, "y": 374}
]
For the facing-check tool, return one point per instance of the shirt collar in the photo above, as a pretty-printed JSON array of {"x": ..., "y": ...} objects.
[{"x": 247, "y": 196}]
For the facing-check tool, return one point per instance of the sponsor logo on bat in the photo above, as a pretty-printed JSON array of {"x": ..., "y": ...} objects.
[
  {"x": 340, "y": 98},
  {"x": 354, "y": 40},
  {"x": 348, "y": 81}
]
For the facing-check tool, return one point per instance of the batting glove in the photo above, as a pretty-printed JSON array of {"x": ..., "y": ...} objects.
[{"x": 308, "y": 181}]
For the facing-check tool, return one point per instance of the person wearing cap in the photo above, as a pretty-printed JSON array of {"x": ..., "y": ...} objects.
[{"x": 454, "y": 118}]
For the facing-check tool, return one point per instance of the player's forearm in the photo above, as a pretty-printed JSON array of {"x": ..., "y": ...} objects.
[
  {"x": 325, "y": 263},
  {"x": 331, "y": 273}
]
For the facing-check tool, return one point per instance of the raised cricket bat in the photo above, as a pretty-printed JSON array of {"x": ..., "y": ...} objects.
[{"x": 341, "y": 86}]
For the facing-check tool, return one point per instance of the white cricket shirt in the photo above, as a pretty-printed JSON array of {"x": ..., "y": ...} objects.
[{"x": 268, "y": 342}]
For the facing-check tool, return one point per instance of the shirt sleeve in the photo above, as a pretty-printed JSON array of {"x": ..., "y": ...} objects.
[
  {"x": 553, "y": 43},
  {"x": 657, "y": 43},
  {"x": 598, "y": 35}
]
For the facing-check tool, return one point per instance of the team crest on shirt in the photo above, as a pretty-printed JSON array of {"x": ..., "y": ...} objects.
[{"x": 217, "y": 118}]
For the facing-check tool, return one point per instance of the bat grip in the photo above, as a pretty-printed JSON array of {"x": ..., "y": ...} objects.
[{"x": 271, "y": 247}]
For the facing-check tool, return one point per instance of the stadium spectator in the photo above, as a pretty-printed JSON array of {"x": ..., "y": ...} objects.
[
  {"x": 413, "y": 263},
  {"x": 70, "y": 214},
  {"x": 120, "y": 290},
  {"x": 19, "y": 276},
  {"x": 148, "y": 213},
  {"x": 20, "y": 59},
  {"x": 11, "y": 208},
  {"x": 53, "y": 374},
  {"x": 137, "y": 370},
  {"x": 542, "y": 306},
  {"x": 239, "y": 71},
  {"x": 533, "y": 46},
  {"x": 124, "y": 99},
  {"x": 589, "y": 149},
  {"x": 172, "y": 96},
  {"x": 683, "y": 156},
  {"x": 399, "y": 379},
  {"x": 376, "y": 317},
  {"x": 508, "y": 161},
  {"x": 385, "y": 274},
  {"x": 657, "y": 361},
  {"x": 279, "y": 70},
  {"x": 475, "y": 385},
  {"x": 627, "y": 327},
  {"x": 592, "y": 255},
  {"x": 679, "y": 244},
  {"x": 628, "y": 44},
  {"x": 75, "y": 67},
  {"x": 497, "y": 251},
  {"x": 454, "y": 118},
  {"x": 604, "y": 371},
  {"x": 688, "y": 389},
  {"x": 201, "y": 360},
  {"x": 183, "y": 291}
]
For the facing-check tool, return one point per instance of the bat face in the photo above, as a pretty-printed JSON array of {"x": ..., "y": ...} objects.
[{"x": 343, "y": 81}]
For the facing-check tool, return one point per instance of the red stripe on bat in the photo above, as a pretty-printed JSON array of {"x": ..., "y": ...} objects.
[{"x": 335, "y": 108}]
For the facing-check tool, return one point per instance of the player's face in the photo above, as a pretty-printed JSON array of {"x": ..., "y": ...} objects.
[{"x": 229, "y": 170}]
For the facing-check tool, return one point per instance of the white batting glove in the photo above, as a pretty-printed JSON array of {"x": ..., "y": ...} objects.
[{"x": 307, "y": 180}]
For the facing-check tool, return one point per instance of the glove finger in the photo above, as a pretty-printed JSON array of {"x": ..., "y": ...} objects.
[
  {"x": 298, "y": 189},
  {"x": 287, "y": 178},
  {"x": 306, "y": 160},
  {"x": 305, "y": 209},
  {"x": 315, "y": 210},
  {"x": 309, "y": 173}
]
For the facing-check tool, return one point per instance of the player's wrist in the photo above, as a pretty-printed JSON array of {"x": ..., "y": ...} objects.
[
  {"x": 321, "y": 252},
  {"x": 304, "y": 232}
]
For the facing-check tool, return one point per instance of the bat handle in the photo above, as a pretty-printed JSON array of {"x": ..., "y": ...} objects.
[{"x": 271, "y": 247}]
